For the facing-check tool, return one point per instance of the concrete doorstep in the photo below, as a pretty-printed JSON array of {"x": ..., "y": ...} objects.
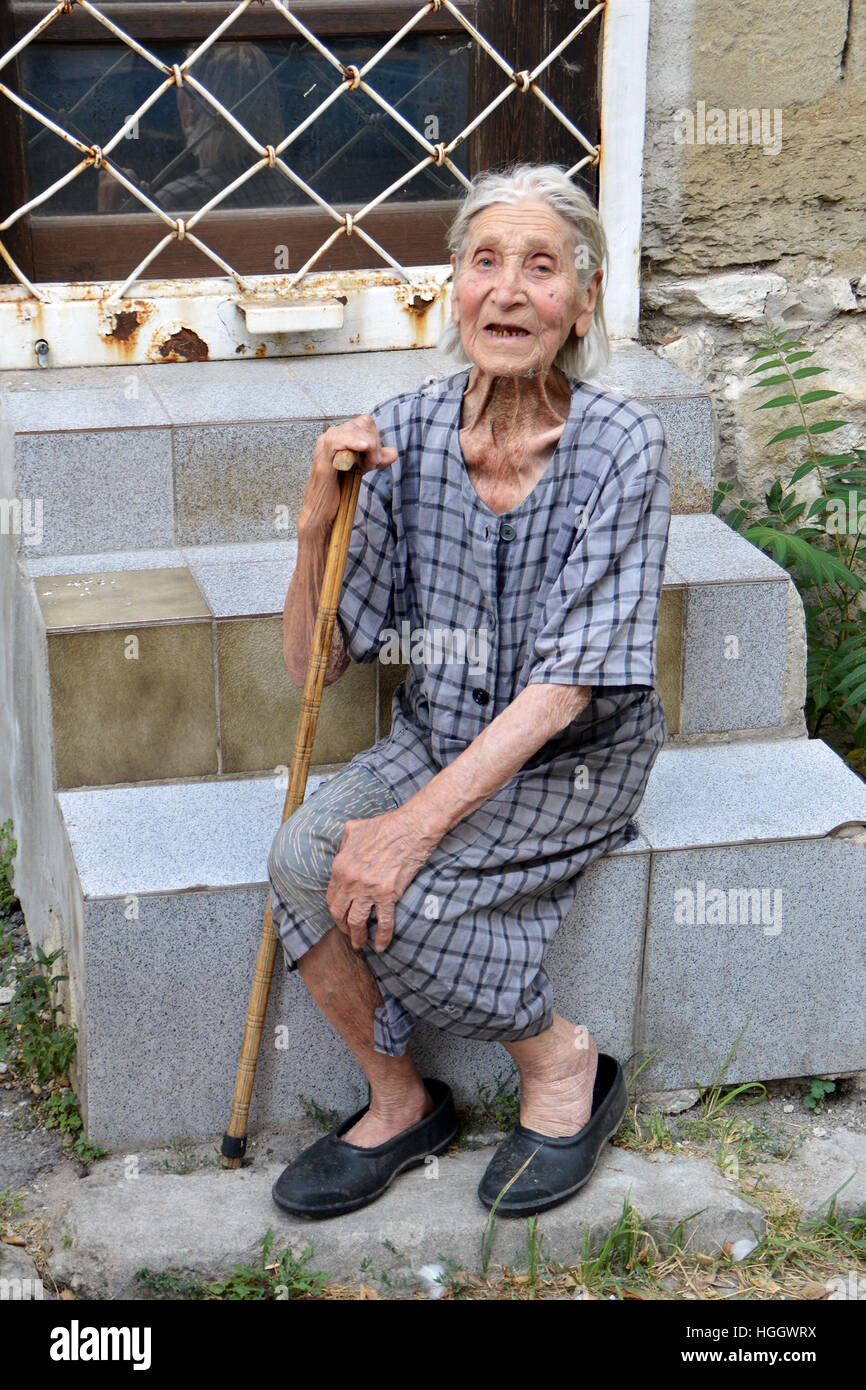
[{"x": 107, "y": 1226}]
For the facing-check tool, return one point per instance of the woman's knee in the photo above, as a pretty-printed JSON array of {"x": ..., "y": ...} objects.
[{"x": 300, "y": 855}]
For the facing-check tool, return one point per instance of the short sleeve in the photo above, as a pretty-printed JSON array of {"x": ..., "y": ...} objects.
[
  {"x": 366, "y": 599},
  {"x": 598, "y": 626}
]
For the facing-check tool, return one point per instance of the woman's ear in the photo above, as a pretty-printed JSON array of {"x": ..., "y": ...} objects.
[{"x": 583, "y": 322}]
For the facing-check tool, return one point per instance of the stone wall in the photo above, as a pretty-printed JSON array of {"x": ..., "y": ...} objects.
[{"x": 732, "y": 230}]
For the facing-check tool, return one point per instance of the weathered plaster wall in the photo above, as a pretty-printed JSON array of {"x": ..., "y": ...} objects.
[
  {"x": 730, "y": 231},
  {"x": 45, "y": 878}
]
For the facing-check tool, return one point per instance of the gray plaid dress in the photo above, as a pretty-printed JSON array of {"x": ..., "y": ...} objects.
[{"x": 562, "y": 589}]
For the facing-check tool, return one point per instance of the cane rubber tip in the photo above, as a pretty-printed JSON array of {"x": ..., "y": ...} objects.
[{"x": 233, "y": 1150}]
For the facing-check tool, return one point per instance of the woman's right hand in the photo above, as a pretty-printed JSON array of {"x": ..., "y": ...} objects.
[{"x": 322, "y": 493}]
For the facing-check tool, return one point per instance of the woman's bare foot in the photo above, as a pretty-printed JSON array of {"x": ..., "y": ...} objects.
[
  {"x": 557, "y": 1074},
  {"x": 389, "y": 1115}
]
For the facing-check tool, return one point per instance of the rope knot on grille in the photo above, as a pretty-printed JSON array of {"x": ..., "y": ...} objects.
[
  {"x": 178, "y": 75},
  {"x": 522, "y": 80},
  {"x": 349, "y": 221},
  {"x": 96, "y": 155},
  {"x": 436, "y": 6},
  {"x": 441, "y": 155},
  {"x": 596, "y": 158},
  {"x": 272, "y": 156},
  {"x": 352, "y": 76},
  {"x": 68, "y": 6},
  {"x": 180, "y": 229}
]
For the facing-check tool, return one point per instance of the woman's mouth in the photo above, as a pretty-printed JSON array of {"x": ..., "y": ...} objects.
[{"x": 506, "y": 330}]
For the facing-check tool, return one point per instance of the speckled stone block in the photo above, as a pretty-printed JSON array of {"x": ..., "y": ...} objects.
[
  {"x": 174, "y": 879},
  {"x": 106, "y": 562},
  {"x": 246, "y": 590},
  {"x": 704, "y": 550},
  {"x": 133, "y": 704},
  {"x": 259, "y": 705},
  {"x": 79, "y": 398},
  {"x": 241, "y": 482},
  {"x": 101, "y": 490},
  {"x": 742, "y": 793},
  {"x": 222, "y": 392},
  {"x": 734, "y": 642},
  {"x": 352, "y": 384},
  {"x": 168, "y": 972},
  {"x": 683, "y": 407},
  {"x": 787, "y": 965}
]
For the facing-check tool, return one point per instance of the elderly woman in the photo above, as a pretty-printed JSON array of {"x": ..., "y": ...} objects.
[{"x": 526, "y": 513}]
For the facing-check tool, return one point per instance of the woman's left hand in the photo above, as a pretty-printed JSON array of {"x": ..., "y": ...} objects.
[{"x": 377, "y": 860}]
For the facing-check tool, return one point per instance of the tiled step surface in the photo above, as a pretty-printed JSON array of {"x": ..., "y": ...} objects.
[
  {"x": 169, "y": 664},
  {"x": 202, "y": 453},
  {"x": 172, "y": 885}
]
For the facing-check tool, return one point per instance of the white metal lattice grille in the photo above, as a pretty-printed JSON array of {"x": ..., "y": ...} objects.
[{"x": 520, "y": 85}]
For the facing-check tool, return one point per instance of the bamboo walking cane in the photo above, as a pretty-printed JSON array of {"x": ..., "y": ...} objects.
[{"x": 348, "y": 462}]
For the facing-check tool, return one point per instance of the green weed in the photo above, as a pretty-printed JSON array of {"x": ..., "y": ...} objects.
[{"x": 818, "y": 1093}]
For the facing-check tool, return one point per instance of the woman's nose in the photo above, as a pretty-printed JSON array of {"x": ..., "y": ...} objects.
[{"x": 510, "y": 283}]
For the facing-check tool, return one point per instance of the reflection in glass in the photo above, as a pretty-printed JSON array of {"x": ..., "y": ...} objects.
[{"x": 183, "y": 152}]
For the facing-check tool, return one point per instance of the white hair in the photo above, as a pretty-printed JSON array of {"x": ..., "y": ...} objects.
[{"x": 578, "y": 358}]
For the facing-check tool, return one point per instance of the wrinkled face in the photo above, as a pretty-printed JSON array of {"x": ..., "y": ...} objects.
[{"x": 516, "y": 297}]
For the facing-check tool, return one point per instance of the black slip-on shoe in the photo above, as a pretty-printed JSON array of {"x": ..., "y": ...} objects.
[
  {"x": 557, "y": 1167},
  {"x": 333, "y": 1177}
]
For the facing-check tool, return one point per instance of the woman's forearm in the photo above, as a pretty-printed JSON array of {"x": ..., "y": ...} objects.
[
  {"x": 499, "y": 751},
  {"x": 302, "y": 602}
]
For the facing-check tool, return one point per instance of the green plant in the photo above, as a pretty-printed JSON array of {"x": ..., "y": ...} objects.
[
  {"x": 818, "y": 1093},
  {"x": 284, "y": 1277},
  {"x": 163, "y": 1285},
  {"x": 534, "y": 1241},
  {"x": 184, "y": 1159},
  {"x": 61, "y": 1110},
  {"x": 10, "y": 1204},
  {"x": 715, "y": 1097},
  {"x": 30, "y": 1035},
  {"x": 823, "y": 557},
  {"x": 8, "y": 851},
  {"x": 497, "y": 1107},
  {"x": 324, "y": 1118}
]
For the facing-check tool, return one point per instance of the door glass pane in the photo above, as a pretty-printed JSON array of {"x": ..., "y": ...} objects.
[{"x": 183, "y": 152}]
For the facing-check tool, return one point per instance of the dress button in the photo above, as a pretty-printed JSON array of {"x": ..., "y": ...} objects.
[
  {"x": 507, "y": 531},
  {"x": 480, "y": 697}
]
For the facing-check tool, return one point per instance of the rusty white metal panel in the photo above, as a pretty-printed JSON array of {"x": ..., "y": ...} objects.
[
  {"x": 623, "y": 119},
  {"x": 194, "y": 320}
]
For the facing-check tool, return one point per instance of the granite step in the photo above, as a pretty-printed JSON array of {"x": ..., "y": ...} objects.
[
  {"x": 738, "y": 907},
  {"x": 168, "y": 663},
  {"x": 205, "y": 453}
]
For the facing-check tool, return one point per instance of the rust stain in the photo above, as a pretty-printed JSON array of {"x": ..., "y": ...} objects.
[
  {"x": 262, "y": 350},
  {"x": 184, "y": 346},
  {"x": 126, "y": 325}
]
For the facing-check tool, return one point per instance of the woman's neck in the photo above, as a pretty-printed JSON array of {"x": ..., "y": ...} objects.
[{"x": 504, "y": 407}]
